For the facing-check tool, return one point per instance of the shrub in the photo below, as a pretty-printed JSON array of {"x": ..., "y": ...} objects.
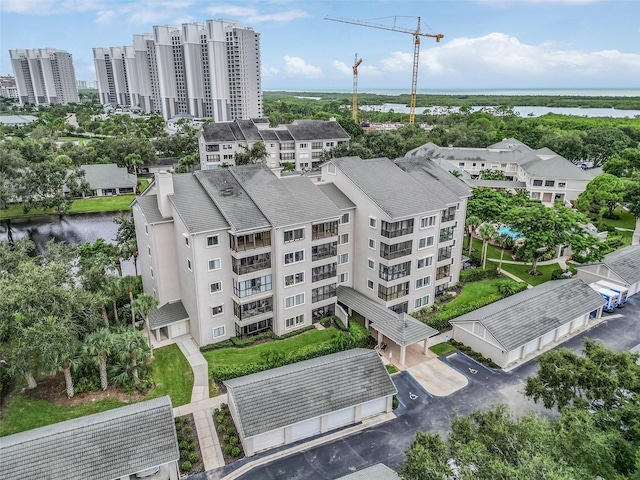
[
  {"x": 182, "y": 445},
  {"x": 235, "y": 452},
  {"x": 394, "y": 402},
  {"x": 445, "y": 297},
  {"x": 475, "y": 274},
  {"x": 231, "y": 431},
  {"x": 184, "y": 454},
  {"x": 194, "y": 458},
  {"x": 216, "y": 411},
  {"x": 219, "y": 419},
  {"x": 178, "y": 422},
  {"x": 180, "y": 437},
  {"x": 225, "y": 438},
  {"x": 188, "y": 430},
  {"x": 190, "y": 438},
  {"x": 233, "y": 441},
  {"x": 191, "y": 447},
  {"x": 228, "y": 449},
  {"x": 186, "y": 466},
  {"x": 221, "y": 428}
]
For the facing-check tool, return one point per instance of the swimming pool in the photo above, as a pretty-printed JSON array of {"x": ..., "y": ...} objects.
[{"x": 507, "y": 231}]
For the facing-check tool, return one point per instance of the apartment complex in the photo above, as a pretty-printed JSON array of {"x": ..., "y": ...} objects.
[
  {"x": 206, "y": 70},
  {"x": 302, "y": 142},
  {"x": 544, "y": 174},
  {"x": 236, "y": 251},
  {"x": 8, "y": 87},
  {"x": 44, "y": 76}
]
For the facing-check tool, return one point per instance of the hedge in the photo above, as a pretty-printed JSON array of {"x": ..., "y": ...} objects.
[
  {"x": 440, "y": 320},
  {"x": 475, "y": 274},
  {"x": 358, "y": 337},
  {"x": 247, "y": 342}
]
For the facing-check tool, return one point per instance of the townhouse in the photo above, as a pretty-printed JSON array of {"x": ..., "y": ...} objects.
[
  {"x": 303, "y": 142},
  {"x": 236, "y": 251}
]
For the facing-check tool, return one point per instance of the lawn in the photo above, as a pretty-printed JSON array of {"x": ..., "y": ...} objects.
[
  {"x": 474, "y": 291},
  {"x": 626, "y": 219},
  {"x": 85, "y": 205},
  {"x": 492, "y": 251},
  {"x": 442, "y": 348},
  {"x": 24, "y": 413},
  {"x": 520, "y": 271},
  {"x": 172, "y": 375},
  {"x": 230, "y": 357}
]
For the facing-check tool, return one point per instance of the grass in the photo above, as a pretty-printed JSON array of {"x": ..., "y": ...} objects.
[
  {"x": 24, "y": 413},
  {"x": 442, "y": 348},
  {"x": 475, "y": 290},
  {"x": 391, "y": 369},
  {"x": 626, "y": 219},
  {"x": 520, "y": 271},
  {"x": 144, "y": 183},
  {"x": 172, "y": 375},
  {"x": 249, "y": 355},
  {"x": 85, "y": 205}
]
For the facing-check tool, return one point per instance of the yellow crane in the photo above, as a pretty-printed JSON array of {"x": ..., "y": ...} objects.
[
  {"x": 416, "y": 49},
  {"x": 356, "y": 63}
]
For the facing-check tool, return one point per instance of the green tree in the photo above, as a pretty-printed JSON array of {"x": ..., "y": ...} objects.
[
  {"x": 126, "y": 238},
  {"x": 11, "y": 171},
  {"x": 187, "y": 163},
  {"x": 601, "y": 196},
  {"x": 257, "y": 153},
  {"x": 100, "y": 345},
  {"x": 471, "y": 222},
  {"x": 145, "y": 304},
  {"x": 487, "y": 232},
  {"x": 632, "y": 194},
  {"x": 132, "y": 161},
  {"x": 488, "y": 205},
  {"x": 133, "y": 348},
  {"x": 492, "y": 175}
]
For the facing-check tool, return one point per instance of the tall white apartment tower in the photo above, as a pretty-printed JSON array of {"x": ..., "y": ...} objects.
[
  {"x": 209, "y": 69},
  {"x": 44, "y": 76}
]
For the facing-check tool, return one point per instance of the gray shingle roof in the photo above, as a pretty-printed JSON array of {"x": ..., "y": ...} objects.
[
  {"x": 379, "y": 471},
  {"x": 380, "y": 179},
  {"x": 249, "y": 130},
  {"x": 286, "y": 201},
  {"x": 167, "y": 314},
  {"x": 494, "y": 154},
  {"x": 149, "y": 206},
  {"x": 435, "y": 179},
  {"x": 525, "y": 316},
  {"x": 105, "y": 445},
  {"x": 625, "y": 263},
  {"x": 336, "y": 195},
  {"x": 308, "y": 389},
  {"x": 218, "y": 132},
  {"x": 555, "y": 167},
  {"x": 316, "y": 130},
  {"x": 495, "y": 183},
  {"x": 194, "y": 206},
  {"x": 401, "y": 328},
  {"x": 509, "y": 142},
  {"x": 232, "y": 201},
  {"x": 284, "y": 135},
  {"x": 108, "y": 176}
]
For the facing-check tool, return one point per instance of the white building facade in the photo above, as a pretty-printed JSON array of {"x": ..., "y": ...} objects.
[{"x": 44, "y": 76}]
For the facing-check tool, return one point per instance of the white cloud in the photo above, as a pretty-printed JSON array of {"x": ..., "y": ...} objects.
[
  {"x": 49, "y": 7},
  {"x": 251, "y": 15},
  {"x": 297, "y": 67},
  {"x": 342, "y": 68},
  {"x": 269, "y": 71}
]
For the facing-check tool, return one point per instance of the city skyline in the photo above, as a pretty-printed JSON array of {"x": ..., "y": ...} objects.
[{"x": 488, "y": 43}]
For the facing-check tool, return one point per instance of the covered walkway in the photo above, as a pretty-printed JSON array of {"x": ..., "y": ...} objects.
[{"x": 399, "y": 328}]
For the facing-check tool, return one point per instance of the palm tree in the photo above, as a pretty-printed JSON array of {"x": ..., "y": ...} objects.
[
  {"x": 129, "y": 283},
  {"x": 502, "y": 239},
  {"x": 487, "y": 232},
  {"x": 58, "y": 339},
  {"x": 100, "y": 344},
  {"x": 133, "y": 348},
  {"x": 471, "y": 223},
  {"x": 146, "y": 304}
]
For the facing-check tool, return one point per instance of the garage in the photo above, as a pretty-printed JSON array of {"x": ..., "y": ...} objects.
[
  {"x": 308, "y": 398},
  {"x": 527, "y": 322},
  {"x": 621, "y": 266},
  {"x": 170, "y": 320}
]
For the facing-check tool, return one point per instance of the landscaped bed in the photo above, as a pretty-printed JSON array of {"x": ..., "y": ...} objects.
[
  {"x": 227, "y": 434},
  {"x": 442, "y": 348},
  {"x": 190, "y": 452},
  {"x": 473, "y": 354}
]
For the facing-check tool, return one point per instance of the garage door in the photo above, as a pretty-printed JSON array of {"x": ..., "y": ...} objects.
[
  {"x": 373, "y": 407},
  {"x": 530, "y": 347},
  {"x": 577, "y": 323},
  {"x": 341, "y": 417},
  {"x": 268, "y": 440},
  {"x": 548, "y": 338},
  {"x": 306, "y": 429},
  {"x": 564, "y": 330},
  {"x": 178, "y": 329}
]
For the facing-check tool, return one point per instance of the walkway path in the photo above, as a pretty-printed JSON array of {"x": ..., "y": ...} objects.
[
  {"x": 201, "y": 405},
  {"x": 560, "y": 261}
]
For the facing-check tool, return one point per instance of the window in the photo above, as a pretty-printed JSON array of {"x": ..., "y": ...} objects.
[
  {"x": 254, "y": 263},
  {"x": 391, "y": 293},
  {"x": 394, "y": 272},
  {"x": 444, "y": 253},
  {"x": 214, "y": 264},
  {"x": 146, "y": 229},
  {"x": 443, "y": 272},
  {"x": 370, "y": 284},
  {"x": 249, "y": 241},
  {"x": 294, "y": 235},
  {"x": 562, "y": 184},
  {"x": 323, "y": 272},
  {"x": 343, "y": 258},
  {"x": 343, "y": 277},
  {"x": 325, "y": 250},
  {"x": 423, "y": 282},
  {"x": 294, "y": 257},
  {"x": 216, "y": 310},
  {"x": 317, "y": 145},
  {"x": 537, "y": 183},
  {"x": 389, "y": 252},
  {"x": 344, "y": 218},
  {"x": 294, "y": 321},
  {"x": 151, "y": 270},
  {"x": 293, "y": 279},
  {"x": 215, "y": 287},
  {"x": 252, "y": 286},
  {"x": 371, "y": 264},
  {"x": 461, "y": 164},
  {"x": 549, "y": 183},
  {"x": 396, "y": 229},
  {"x": 426, "y": 222},
  {"x": 294, "y": 300},
  {"x": 319, "y": 313},
  {"x": 373, "y": 222},
  {"x": 425, "y": 242},
  {"x": 372, "y": 243},
  {"x": 343, "y": 238},
  {"x": 218, "y": 332},
  {"x": 251, "y": 309},
  {"x": 188, "y": 264},
  {"x": 329, "y": 144},
  {"x": 400, "y": 307},
  {"x": 324, "y": 230},
  {"x": 421, "y": 302},
  {"x": 149, "y": 250},
  {"x": 448, "y": 214},
  {"x": 213, "y": 240},
  {"x": 186, "y": 240},
  {"x": 424, "y": 262},
  {"x": 304, "y": 145},
  {"x": 446, "y": 234},
  {"x": 323, "y": 293}
]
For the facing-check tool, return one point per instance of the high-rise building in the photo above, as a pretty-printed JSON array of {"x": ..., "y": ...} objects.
[
  {"x": 8, "y": 87},
  {"x": 82, "y": 84},
  {"x": 207, "y": 70},
  {"x": 44, "y": 76}
]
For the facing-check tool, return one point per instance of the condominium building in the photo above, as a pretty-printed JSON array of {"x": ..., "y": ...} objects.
[
  {"x": 302, "y": 142},
  {"x": 236, "y": 251},
  {"x": 44, "y": 76},
  {"x": 8, "y": 87},
  {"x": 206, "y": 70}
]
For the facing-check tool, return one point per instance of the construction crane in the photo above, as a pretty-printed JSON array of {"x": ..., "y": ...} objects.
[
  {"x": 416, "y": 50},
  {"x": 356, "y": 63}
]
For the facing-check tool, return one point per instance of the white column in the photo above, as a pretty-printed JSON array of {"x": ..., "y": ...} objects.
[
  {"x": 425, "y": 350},
  {"x": 402, "y": 354}
]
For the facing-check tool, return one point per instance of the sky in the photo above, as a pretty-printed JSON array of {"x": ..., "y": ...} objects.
[{"x": 487, "y": 44}]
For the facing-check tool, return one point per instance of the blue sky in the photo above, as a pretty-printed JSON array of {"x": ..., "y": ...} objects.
[{"x": 487, "y": 44}]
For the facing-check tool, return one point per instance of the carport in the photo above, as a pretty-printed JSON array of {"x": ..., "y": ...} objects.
[
  {"x": 401, "y": 328},
  {"x": 621, "y": 267}
]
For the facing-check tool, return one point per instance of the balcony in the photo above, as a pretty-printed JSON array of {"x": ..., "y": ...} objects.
[
  {"x": 243, "y": 243},
  {"x": 252, "y": 309},
  {"x": 326, "y": 250},
  {"x": 396, "y": 229},
  {"x": 242, "y": 266},
  {"x": 324, "y": 230},
  {"x": 390, "y": 252},
  {"x": 444, "y": 253},
  {"x": 443, "y": 272},
  {"x": 324, "y": 272},
  {"x": 448, "y": 215}
]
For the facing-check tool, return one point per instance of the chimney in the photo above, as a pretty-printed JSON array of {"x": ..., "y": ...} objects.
[{"x": 164, "y": 187}]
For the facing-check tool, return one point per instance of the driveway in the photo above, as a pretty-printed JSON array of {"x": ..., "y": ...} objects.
[{"x": 420, "y": 411}]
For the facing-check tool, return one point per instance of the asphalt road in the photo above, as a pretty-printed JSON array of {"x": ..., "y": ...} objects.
[{"x": 421, "y": 411}]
